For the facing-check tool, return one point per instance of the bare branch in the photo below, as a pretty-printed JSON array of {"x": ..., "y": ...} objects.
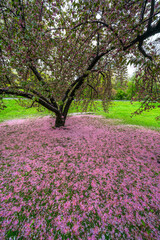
[
  {"x": 23, "y": 15},
  {"x": 70, "y": 93},
  {"x": 151, "y": 14},
  {"x": 29, "y": 96},
  {"x": 92, "y": 88},
  {"x": 143, "y": 9},
  {"x": 141, "y": 49},
  {"x": 105, "y": 25},
  {"x": 146, "y": 20},
  {"x": 7, "y": 8},
  {"x": 39, "y": 77},
  {"x": 6, "y": 25},
  {"x": 37, "y": 74},
  {"x": 98, "y": 36},
  {"x": 151, "y": 32},
  {"x": 41, "y": 11},
  {"x": 31, "y": 105}
]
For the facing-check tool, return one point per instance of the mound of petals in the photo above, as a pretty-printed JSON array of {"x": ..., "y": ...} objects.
[{"x": 88, "y": 180}]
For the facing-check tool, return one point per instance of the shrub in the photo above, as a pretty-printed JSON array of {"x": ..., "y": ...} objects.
[{"x": 121, "y": 95}]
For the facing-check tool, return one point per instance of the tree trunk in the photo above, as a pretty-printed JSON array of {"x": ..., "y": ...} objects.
[{"x": 60, "y": 121}]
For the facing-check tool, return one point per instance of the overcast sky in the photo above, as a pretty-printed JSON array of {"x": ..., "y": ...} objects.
[{"x": 131, "y": 70}]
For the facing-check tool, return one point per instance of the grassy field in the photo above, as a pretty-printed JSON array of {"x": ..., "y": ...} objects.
[
  {"x": 15, "y": 111},
  {"x": 120, "y": 110}
]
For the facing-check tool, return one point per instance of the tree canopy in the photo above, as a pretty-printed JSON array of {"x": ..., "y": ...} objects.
[{"x": 52, "y": 51}]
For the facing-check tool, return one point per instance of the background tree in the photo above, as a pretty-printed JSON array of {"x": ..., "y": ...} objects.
[{"x": 53, "y": 47}]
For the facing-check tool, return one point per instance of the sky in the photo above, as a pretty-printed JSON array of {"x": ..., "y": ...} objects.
[
  {"x": 156, "y": 39},
  {"x": 131, "y": 70}
]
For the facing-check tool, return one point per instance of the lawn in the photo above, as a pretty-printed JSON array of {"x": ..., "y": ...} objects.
[
  {"x": 88, "y": 180},
  {"x": 120, "y": 110},
  {"x": 15, "y": 111}
]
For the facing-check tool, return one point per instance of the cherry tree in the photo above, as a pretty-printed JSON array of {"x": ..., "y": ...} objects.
[{"x": 54, "y": 51}]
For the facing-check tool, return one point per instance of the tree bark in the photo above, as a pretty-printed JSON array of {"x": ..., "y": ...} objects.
[{"x": 60, "y": 121}]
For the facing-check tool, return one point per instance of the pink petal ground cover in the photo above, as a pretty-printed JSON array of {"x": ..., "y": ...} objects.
[{"x": 88, "y": 180}]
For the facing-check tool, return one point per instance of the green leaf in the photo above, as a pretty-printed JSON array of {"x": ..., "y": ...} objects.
[{"x": 143, "y": 223}]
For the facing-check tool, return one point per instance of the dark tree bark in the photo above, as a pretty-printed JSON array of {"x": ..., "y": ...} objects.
[{"x": 60, "y": 121}]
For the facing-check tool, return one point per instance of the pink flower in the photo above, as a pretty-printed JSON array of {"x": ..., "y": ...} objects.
[
  {"x": 67, "y": 205},
  {"x": 75, "y": 228},
  {"x": 93, "y": 184}
]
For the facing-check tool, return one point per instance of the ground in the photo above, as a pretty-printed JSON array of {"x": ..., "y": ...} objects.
[{"x": 92, "y": 179}]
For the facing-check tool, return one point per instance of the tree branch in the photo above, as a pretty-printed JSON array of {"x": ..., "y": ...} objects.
[
  {"x": 104, "y": 24},
  {"x": 2, "y": 6},
  {"x": 41, "y": 96},
  {"x": 92, "y": 88},
  {"x": 23, "y": 16},
  {"x": 143, "y": 51},
  {"x": 37, "y": 74},
  {"x": 151, "y": 14},
  {"x": 80, "y": 79},
  {"x": 97, "y": 44},
  {"x": 70, "y": 93},
  {"x": 142, "y": 22},
  {"x": 5, "y": 22},
  {"x": 29, "y": 96},
  {"x": 39, "y": 77},
  {"x": 41, "y": 11},
  {"x": 151, "y": 32},
  {"x": 143, "y": 9}
]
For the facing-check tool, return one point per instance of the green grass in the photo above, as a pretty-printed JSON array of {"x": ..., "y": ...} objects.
[
  {"x": 119, "y": 110},
  {"x": 122, "y": 110},
  {"x": 15, "y": 111}
]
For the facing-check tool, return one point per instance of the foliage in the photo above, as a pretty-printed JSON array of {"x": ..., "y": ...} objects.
[
  {"x": 120, "y": 95},
  {"x": 49, "y": 49},
  {"x": 148, "y": 89},
  {"x": 131, "y": 90},
  {"x": 126, "y": 92}
]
